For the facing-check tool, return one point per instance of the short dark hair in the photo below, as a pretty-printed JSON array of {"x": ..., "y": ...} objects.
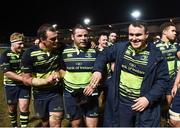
[
  {"x": 41, "y": 33},
  {"x": 138, "y": 23},
  {"x": 112, "y": 32},
  {"x": 104, "y": 33},
  {"x": 78, "y": 26},
  {"x": 165, "y": 25}
]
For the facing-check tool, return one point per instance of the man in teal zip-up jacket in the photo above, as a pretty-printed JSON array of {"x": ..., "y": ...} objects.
[{"x": 139, "y": 80}]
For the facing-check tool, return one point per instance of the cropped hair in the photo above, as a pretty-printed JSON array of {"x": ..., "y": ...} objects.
[
  {"x": 78, "y": 26},
  {"x": 165, "y": 25},
  {"x": 140, "y": 24},
  {"x": 104, "y": 33},
  {"x": 110, "y": 32},
  {"x": 41, "y": 33}
]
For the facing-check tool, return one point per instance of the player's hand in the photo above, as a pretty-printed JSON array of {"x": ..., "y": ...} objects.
[
  {"x": 141, "y": 104},
  {"x": 174, "y": 90},
  {"x": 95, "y": 79},
  {"x": 88, "y": 90},
  {"x": 53, "y": 79}
]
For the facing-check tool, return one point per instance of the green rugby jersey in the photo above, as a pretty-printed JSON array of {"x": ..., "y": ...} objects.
[
  {"x": 133, "y": 69},
  {"x": 79, "y": 64},
  {"x": 10, "y": 61}
]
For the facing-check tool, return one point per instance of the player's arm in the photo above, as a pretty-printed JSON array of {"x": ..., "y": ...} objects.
[
  {"x": 62, "y": 73},
  {"x": 178, "y": 54},
  {"x": 27, "y": 78},
  {"x": 31, "y": 81},
  {"x": 13, "y": 76}
]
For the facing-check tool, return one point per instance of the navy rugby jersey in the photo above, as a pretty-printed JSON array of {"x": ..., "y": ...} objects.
[
  {"x": 169, "y": 50},
  {"x": 41, "y": 63},
  {"x": 10, "y": 61}
]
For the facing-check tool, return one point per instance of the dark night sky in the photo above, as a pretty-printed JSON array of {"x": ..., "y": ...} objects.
[{"x": 27, "y": 15}]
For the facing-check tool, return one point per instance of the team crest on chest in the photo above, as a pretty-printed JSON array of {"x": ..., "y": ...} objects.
[
  {"x": 88, "y": 55},
  {"x": 40, "y": 58},
  {"x": 144, "y": 58},
  {"x": 69, "y": 55}
]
